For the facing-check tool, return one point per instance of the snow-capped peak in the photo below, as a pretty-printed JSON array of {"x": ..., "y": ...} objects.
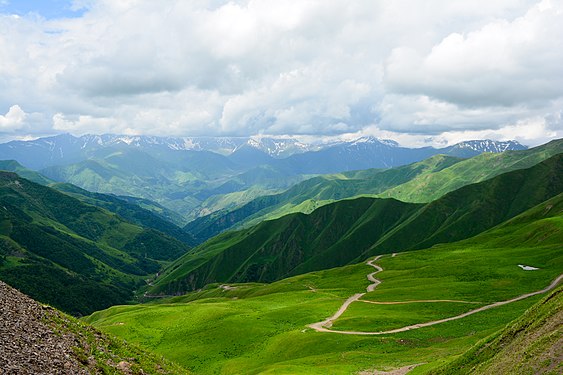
[
  {"x": 488, "y": 145},
  {"x": 374, "y": 140}
]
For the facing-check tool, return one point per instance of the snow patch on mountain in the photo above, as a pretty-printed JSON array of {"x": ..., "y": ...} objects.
[{"x": 488, "y": 145}]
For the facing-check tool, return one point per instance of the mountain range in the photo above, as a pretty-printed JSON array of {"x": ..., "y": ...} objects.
[
  {"x": 65, "y": 148},
  {"x": 420, "y": 182},
  {"x": 349, "y": 231},
  {"x": 188, "y": 175},
  {"x": 462, "y": 242}
]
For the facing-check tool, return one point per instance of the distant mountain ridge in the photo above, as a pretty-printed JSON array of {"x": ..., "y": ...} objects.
[
  {"x": 420, "y": 182},
  {"x": 186, "y": 174},
  {"x": 489, "y": 146},
  {"x": 66, "y": 149}
]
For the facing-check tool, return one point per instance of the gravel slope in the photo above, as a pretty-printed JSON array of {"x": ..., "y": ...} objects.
[{"x": 37, "y": 339}]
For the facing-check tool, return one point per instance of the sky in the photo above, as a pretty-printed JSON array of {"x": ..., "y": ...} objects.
[{"x": 431, "y": 72}]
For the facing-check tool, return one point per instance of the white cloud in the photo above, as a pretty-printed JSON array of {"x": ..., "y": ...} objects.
[
  {"x": 81, "y": 124},
  {"x": 218, "y": 67},
  {"x": 504, "y": 63},
  {"x": 13, "y": 119}
]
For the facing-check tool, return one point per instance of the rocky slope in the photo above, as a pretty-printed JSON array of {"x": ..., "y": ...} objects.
[{"x": 37, "y": 339}]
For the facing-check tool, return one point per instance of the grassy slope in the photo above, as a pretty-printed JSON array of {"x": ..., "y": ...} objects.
[
  {"x": 273, "y": 249},
  {"x": 531, "y": 344},
  {"x": 419, "y": 182},
  {"x": 351, "y": 230},
  {"x": 263, "y": 328},
  {"x": 100, "y": 353},
  {"x": 131, "y": 212},
  {"x": 50, "y": 242},
  {"x": 429, "y": 187},
  {"x": 14, "y": 166},
  {"x": 313, "y": 193},
  {"x": 131, "y": 208}
]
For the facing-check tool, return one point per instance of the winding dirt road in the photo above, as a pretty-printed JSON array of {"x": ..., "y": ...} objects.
[{"x": 325, "y": 325}]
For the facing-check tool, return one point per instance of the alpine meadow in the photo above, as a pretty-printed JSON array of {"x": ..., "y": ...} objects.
[{"x": 281, "y": 187}]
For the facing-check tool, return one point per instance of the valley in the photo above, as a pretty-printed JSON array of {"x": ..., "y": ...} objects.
[
  {"x": 267, "y": 325},
  {"x": 409, "y": 267},
  {"x": 349, "y": 231},
  {"x": 256, "y": 187},
  {"x": 186, "y": 175}
]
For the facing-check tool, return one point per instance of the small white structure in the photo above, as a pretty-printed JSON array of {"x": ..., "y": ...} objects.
[{"x": 527, "y": 268}]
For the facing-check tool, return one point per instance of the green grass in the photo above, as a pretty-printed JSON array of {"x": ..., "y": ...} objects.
[
  {"x": 420, "y": 182},
  {"x": 349, "y": 231},
  {"x": 57, "y": 243},
  {"x": 428, "y": 187},
  {"x": 530, "y": 344},
  {"x": 367, "y": 317},
  {"x": 263, "y": 328}
]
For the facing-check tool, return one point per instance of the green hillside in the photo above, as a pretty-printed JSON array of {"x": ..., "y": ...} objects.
[
  {"x": 531, "y": 344},
  {"x": 254, "y": 328},
  {"x": 14, "y": 166},
  {"x": 179, "y": 180},
  {"x": 426, "y": 188},
  {"x": 420, "y": 182},
  {"x": 128, "y": 207},
  {"x": 51, "y": 242},
  {"x": 349, "y": 231},
  {"x": 135, "y": 213},
  {"x": 313, "y": 193}
]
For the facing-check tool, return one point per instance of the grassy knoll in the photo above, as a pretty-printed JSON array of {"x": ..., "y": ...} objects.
[{"x": 263, "y": 328}]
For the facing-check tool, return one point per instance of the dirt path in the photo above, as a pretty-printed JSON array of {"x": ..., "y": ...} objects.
[
  {"x": 371, "y": 276},
  {"x": 418, "y": 301},
  {"x": 320, "y": 326},
  {"x": 325, "y": 325},
  {"x": 397, "y": 371}
]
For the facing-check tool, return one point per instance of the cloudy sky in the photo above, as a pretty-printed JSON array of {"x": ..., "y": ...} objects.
[{"x": 420, "y": 72}]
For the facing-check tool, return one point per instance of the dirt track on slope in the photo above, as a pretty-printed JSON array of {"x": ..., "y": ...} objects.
[{"x": 325, "y": 325}]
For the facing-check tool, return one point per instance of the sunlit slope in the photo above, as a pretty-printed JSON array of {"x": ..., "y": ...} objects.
[
  {"x": 349, "y": 231},
  {"x": 253, "y": 328},
  {"x": 420, "y": 182},
  {"x": 310, "y": 194},
  {"x": 74, "y": 256},
  {"x": 14, "y": 166},
  {"x": 531, "y": 344},
  {"x": 426, "y": 188}
]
